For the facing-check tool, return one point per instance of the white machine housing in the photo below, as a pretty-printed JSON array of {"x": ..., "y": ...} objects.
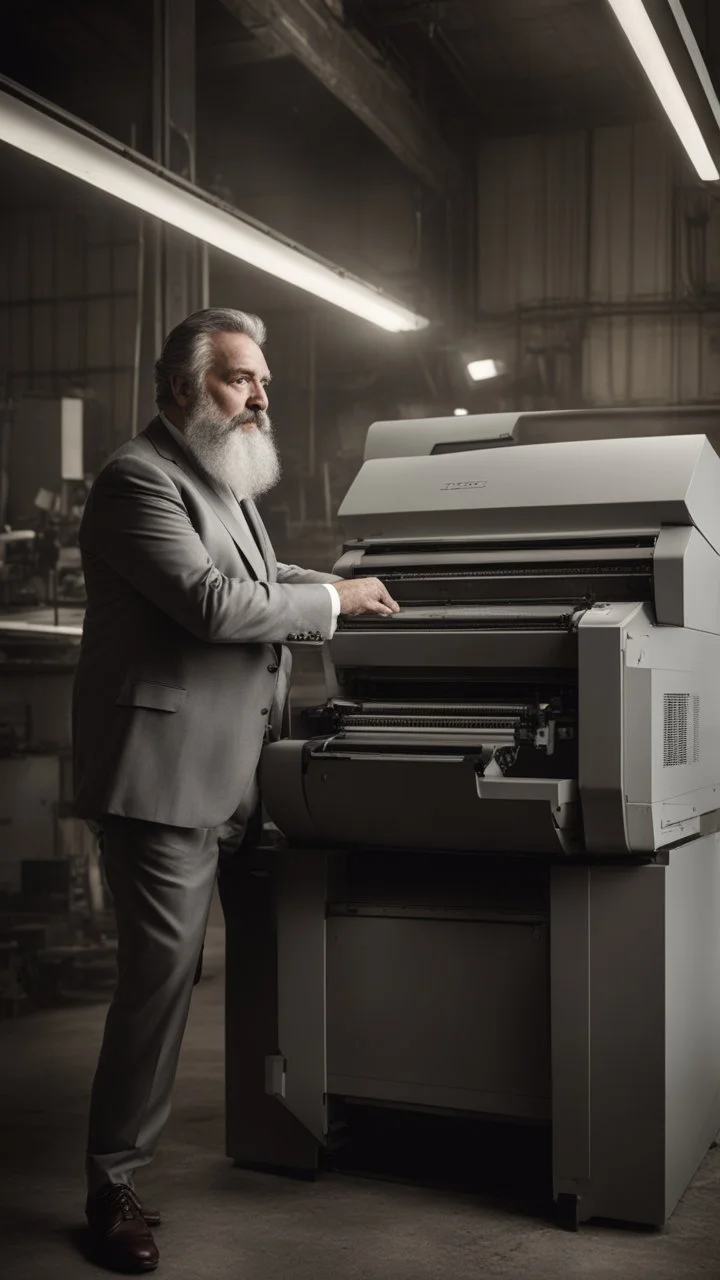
[
  {"x": 630, "y": 510},
  {"x": 547, "y": 699}
]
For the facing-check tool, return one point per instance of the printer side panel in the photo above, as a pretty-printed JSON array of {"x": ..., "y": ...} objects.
[
  {"x": 601, "y": 639},
  {"x": 649, "y": 717},
  {"x": 671, "y": 734}
]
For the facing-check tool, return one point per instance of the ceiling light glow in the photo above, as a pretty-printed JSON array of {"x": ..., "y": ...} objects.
[
  {"x": 39, "y": 134},
  {"x": 648, "y": 48}
]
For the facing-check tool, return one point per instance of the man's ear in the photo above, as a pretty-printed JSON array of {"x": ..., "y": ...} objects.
[{"x": 181, "y": 389}]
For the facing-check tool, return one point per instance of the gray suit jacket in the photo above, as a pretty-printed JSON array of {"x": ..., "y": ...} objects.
[{"x": 181, "y": 668}]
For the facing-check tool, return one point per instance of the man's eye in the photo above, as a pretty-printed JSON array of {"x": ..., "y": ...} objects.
[{"x": 240, "y": 379}]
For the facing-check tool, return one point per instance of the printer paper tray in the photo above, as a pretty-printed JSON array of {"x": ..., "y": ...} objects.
[
  {"x": 382, "y": 646},
  {"x": 390, "y": 800}
]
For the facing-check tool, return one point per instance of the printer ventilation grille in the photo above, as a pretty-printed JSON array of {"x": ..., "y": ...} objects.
[{"x": 681, "y": 736}]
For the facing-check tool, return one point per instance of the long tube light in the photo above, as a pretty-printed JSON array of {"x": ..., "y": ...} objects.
[
  {"x": 647, "y": 46},
  {"x": 178, "y": 204},
  {"x": 693, "y": 49}
]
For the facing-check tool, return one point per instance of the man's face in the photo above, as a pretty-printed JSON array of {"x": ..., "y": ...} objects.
[
  {"x": 238, "y": 379},
  {"x": 226, "y": 424}
]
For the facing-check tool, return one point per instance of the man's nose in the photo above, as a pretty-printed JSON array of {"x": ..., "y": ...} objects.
[{"x": 258, "y": 398}]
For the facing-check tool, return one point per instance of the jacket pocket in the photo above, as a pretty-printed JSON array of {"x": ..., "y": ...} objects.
[{"x": 148, "y": 693}]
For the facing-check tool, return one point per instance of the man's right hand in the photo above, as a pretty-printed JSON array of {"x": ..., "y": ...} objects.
[{"x": 364, "y": 595}]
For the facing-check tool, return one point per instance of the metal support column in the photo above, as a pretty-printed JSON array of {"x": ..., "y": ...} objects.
[
  {"x": 274, "y": 905},
  {"x": 180, "y": 277}
]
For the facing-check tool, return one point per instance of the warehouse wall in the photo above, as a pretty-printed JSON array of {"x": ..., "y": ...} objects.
[
  {"x": 599, "y": 267},
  {"x": 68, "y": 312}
]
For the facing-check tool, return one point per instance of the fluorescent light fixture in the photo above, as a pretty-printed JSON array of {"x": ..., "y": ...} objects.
[
  {"x": 481, "y": 370},
  {"x": 460, "y": 413},
  {"x": 179, "y": 205},
  {"x": 691, "y": 44},
  {"x": 647, "y": 46}
]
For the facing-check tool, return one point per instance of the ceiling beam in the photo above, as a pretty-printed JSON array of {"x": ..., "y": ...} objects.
[{"x": 353, "y": 70}]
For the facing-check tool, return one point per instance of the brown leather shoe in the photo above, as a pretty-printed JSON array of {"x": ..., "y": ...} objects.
[{"x": 119, "y": 1230}]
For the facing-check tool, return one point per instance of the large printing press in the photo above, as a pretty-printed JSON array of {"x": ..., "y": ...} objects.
[{"x": 498, "y": 889}]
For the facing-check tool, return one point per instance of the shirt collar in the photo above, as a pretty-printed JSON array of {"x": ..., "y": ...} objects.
[{"x": 177, "y": 435}]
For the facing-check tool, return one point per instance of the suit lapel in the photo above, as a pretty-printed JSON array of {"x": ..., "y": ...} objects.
[
  {"x": 254, "y": 519},
  {"x": 226, "y": 509}
]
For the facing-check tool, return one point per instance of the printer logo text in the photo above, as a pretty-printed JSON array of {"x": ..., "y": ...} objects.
[{"x": 464, "y": 484}]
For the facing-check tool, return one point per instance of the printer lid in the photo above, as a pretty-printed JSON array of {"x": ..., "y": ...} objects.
[
  {"x": 594, "y": 487},
  {"x": 413, "y": 437}
]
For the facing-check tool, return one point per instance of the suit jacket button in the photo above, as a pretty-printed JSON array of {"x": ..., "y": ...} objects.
[
  {"x": 272, "y": 668},
  {"x": 263, "y": 711}
]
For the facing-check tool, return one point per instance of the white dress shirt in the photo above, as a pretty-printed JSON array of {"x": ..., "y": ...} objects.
[{"x": 240, "y": 515}]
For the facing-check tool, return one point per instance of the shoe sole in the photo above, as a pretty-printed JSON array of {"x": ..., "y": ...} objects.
[
  {"x": 126, "y": 1269},
  {"x": 106, "y": 1258}
]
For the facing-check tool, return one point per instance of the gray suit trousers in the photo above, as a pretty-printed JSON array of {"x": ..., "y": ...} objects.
[{"x": 161, "y": 880}]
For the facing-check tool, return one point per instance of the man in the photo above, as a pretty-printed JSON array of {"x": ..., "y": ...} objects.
[{"x": 182, "y": 676}]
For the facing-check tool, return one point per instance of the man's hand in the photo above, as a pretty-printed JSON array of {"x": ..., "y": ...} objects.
[{"x": 364, "y": 595}]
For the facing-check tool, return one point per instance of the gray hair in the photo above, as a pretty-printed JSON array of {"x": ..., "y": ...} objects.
[{"x": 187, "y": 350}]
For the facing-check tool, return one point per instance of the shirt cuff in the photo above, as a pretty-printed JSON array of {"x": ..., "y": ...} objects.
[{"x": 335, "y": 602}]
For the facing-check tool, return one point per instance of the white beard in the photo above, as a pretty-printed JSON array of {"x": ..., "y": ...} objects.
[{"x": 239, "y": 452}]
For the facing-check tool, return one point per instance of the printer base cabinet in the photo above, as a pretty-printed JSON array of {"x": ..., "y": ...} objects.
[{"x": 585, "y": 997}]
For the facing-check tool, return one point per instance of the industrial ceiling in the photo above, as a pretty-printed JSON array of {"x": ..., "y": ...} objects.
[{"x": 428, "y": 78}]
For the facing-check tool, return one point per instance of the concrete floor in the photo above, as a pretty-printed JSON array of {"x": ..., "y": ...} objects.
[{"x": 226, "y": 1224}]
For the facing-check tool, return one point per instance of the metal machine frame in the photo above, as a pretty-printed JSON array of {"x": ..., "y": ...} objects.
[
  {"x": 560, "y": 962},
  {"x": 634, "y": 995}
]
